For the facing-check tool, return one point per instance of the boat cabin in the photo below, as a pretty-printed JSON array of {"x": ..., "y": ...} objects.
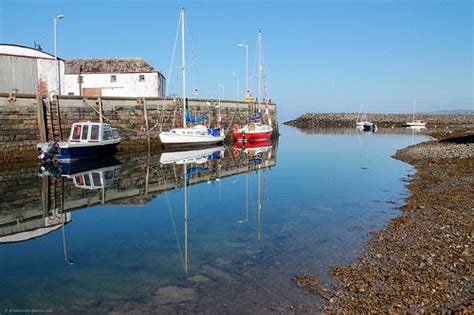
[
  {"x": 258, "y": 127},
  {"x": 85, "y": 132}
]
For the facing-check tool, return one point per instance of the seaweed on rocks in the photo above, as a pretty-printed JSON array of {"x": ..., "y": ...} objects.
[{"x": 422, "y": 261}]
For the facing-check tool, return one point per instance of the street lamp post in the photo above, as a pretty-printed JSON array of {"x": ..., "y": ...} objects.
[
  {"x": 58, "y": 84},
  {"x": 247, "y": 91},
  {"x": 221, "y": 96},
  {"x": 238, "y": 83}
]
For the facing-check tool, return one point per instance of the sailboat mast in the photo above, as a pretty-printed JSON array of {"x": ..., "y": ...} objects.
[
  {"x": 358, "y": 114},
  {"x": 259, "y": 213},
  {"x": 185, "y": 219},
  {"x": 414, "y": 104},
  {"x": 183, "y": 54},
  {"x": 246, "y": 197},
  {"x": 259, "y": 67}
]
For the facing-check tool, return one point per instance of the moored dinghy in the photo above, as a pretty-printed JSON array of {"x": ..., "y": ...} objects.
[
  {"x": 369, "y": 126},
  {"x": 87, "y": 140}
]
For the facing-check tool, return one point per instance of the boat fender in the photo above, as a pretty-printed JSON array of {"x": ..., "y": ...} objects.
[{"x": 236, "y": 153}]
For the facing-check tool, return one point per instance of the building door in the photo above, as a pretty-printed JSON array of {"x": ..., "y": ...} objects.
[
  {"x": 92, "y": 92},
  {"x": 18, "y": 74}
]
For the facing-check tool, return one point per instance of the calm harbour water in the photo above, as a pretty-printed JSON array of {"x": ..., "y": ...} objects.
[{"x": 321, "y": 193}]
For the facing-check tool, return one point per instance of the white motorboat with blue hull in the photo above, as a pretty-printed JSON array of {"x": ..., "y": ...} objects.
[{"x": 87, "y": 140}]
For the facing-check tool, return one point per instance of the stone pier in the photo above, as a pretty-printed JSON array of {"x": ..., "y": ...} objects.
[{"x": 26, "y": 120}]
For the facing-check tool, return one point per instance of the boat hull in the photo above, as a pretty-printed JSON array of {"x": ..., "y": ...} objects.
[
  {"x": 416, "y": 125},
  {"x": 69, "y": 154},
  {"x": 370, "y": 127},
  {"x": 169, "y": 139},
  {"x": 252, "y": 136}
]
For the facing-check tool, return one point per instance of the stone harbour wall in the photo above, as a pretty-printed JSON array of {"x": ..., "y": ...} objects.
[
  {"x": 21, "y": 123},
  {"x": 382, "y": 120}
]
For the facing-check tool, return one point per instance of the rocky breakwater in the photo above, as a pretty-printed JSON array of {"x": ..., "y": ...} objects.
[
  {"x": 310, "y": 120},
  {"x": 422, "y": 261}
]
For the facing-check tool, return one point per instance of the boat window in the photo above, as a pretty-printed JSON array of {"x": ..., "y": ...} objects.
[
  {"x": 115, "y": 133},
  {"x": 95, "y": 132},
  {"x": 87, "y": 180},
  {"x": 85, "y": 131},
  {"x": 76, "y": 133},
  {"x": 96, "y": 179},
  {"x": 107, "y": 135},
  {"x": 190, "y": 132},
  {"x": 108, "y": 175},
  {"x": 79, "y": 180}
]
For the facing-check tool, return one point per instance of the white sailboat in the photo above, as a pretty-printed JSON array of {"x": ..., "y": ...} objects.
[
  {"x": 415, "y": 123},
  {"x": 192, "y": 135},
  {"x": 360, "y": 123}
]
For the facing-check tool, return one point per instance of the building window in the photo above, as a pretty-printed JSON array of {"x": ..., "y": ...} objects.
[
  {"x": 113, "y": 78},
  {"x": 141, "y": 78}
]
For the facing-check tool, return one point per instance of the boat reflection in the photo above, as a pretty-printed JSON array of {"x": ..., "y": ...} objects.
[
  {"x": 44, "y": 200},
  {"x": 255, "y": 153},
  {"x": 23, "y": 230},
  {"x": 85, "y": 174},
  {"x": 198, "y": 156},
  {"x": 253, "y": 150},
  {"x": 191, "y": 158}
]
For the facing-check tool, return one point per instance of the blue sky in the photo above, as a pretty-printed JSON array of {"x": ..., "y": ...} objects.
[{"x": 319, "y": 55}]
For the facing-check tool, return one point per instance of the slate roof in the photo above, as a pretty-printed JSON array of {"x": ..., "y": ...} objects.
[{"x": 108, "y": 65}]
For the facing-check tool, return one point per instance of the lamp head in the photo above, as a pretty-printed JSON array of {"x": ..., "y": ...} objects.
[{"x": 59, "y": 17}]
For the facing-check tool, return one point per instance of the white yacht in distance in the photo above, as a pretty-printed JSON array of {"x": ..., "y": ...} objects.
[
  {"x": 415, "y": 123},
  {"x": 192, "y": 135},
  {"x": 364, "y": 122}
]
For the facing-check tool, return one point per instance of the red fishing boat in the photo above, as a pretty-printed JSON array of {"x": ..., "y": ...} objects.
[
  {"x": 256, "y": 130},
  {"x": 252, "y": 132}
]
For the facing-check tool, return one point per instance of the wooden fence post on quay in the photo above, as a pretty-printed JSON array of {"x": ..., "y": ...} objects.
[
  {"x": 147, "y": 129},
  {"x": 41, "y": 122},
  {"x": 99, "y": 103}
]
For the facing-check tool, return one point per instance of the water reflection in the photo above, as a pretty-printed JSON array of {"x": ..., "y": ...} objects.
[
  {"x": 126, "y": 239},
  {"x": 64, "y": 188}
]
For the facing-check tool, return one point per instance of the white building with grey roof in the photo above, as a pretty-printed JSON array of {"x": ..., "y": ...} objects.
[{"x": 127, "y": 77}]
